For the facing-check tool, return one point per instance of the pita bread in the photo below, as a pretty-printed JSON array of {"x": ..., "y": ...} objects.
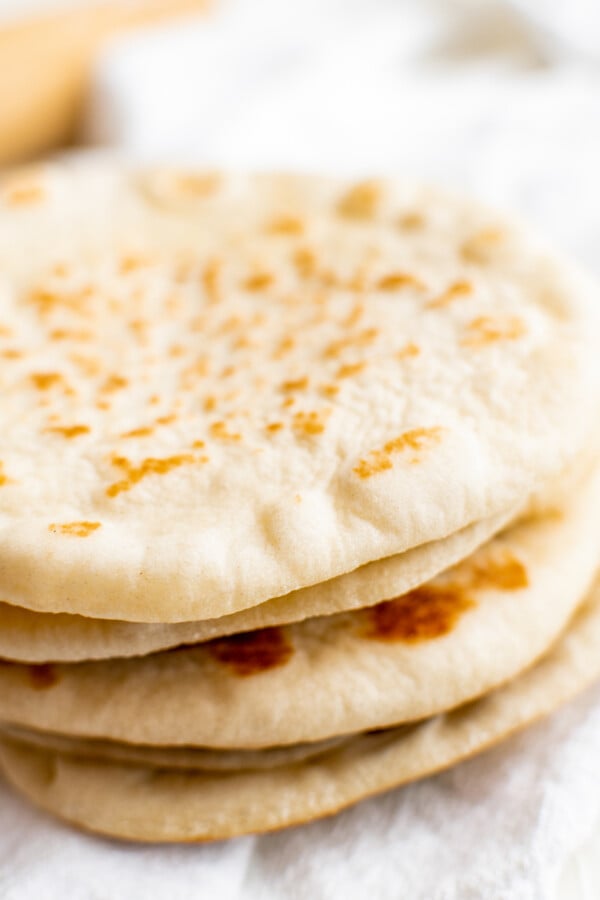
[
  {"x": 473, "y": 627},
  {"x": 145, "y": 804},
  {"x": 200, "y": 758},
  {"x": 219, "y": 389},
  {"x": 29, "y": 636}
]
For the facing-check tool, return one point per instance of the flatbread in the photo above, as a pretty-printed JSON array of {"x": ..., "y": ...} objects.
[
  {"x": 196, "y": 758},
  {"x": 219, "y": 389},
  {"x": 28, "y": 636},
  {"x": 457, "y": 637},
  {"x": 146, "y": 804}
]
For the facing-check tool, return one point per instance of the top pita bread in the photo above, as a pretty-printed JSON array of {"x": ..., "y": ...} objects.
[{"x": 220, "y": 389}]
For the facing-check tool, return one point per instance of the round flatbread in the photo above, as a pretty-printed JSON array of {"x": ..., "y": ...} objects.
[
  {"x": 34, "y": 637},
  {"x": 219, "y": 389},
  {"x": 453, "y": 639},
  {"x": 146, "y": 804},
  {"x": 196, "y": 758}
]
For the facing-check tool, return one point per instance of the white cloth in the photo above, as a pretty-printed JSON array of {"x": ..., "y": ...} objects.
[
  {"x": 463, "y": 93},
  {"x": 496, "y": 828}
]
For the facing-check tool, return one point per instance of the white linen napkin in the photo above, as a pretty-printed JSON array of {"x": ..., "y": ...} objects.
[{"x": 456, "y": 91}]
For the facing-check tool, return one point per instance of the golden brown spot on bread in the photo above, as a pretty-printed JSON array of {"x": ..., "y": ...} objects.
[
  {"x": 46, "y": 301},
  {"x": 211, "y": 280},
  {"x": 454, "y": 291},
  {"x": 286, "y": 225},
  {"x": 138, "y": 432},
  {"x": 415, "y": 440},
  {"x": 358, "y": 281},
  {"x": 198, "y": 445},
  {"x": 361, "y": 339},
  {"x": 166, "y": 420},
  {"x": 411, "y": 221},
  {"x": 428, "y": 612},
  {"x": 409, "y": 350},
  {"x": 198, "y": 369},
  {"x": 66, "y": 334},
  {"x": 355, "y": 315},
  {"x": 298, "y": 384},
  {"x": 378, "y": 462},
  {"x": 114, "y": 383},
  {"x": 42, "y": 677},
  {"x": 219, "y": 430},
  {"x": 432, "y": 610},
  {"x": 259, "y": 281},
  {"x": 243, "y": 342},
  {"x": 150, "y": 466},
  {"x": 3, "y": 476},
  {"x": 5, "y": 331},
  {"x": 350, "y": 369},
  {"x": 231, "y": 324},
  {"x": 12, "y": 354},
  {"x": 394, "y": 281},
  {"x": 198, "y": 184},
  {"x": 75, "y": 529},
  {"x": 132, "y": 262},
  {"x": 501, "y": 570},
  {"x": 305, "y": 262},
  {"x": 309, "y": 423},
  {"x": 274, "y": 427},
  {"x": 43, "y": 381},
  {"x": 330, "y": 390},
  {"x": 139, "y": 328},
  {"x": 253, "y": 652},
  {"x": 285, "y": 345},
  {"x": 361, "y": 201},
  {"x": 70, "y": 431},
  {"x": 24, "y": 194},
  {"x": 488, "y": 330},
  {"x": 477, "y": 248},
  {"x": 210, "y": 403},
  {"x": 89, "y": 365}
]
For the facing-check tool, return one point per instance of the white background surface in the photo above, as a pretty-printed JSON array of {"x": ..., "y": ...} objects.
[{"x": 470, "y": 94}]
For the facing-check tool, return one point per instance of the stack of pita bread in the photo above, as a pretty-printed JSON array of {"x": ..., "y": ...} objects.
[{"x": 299, "y": 492}]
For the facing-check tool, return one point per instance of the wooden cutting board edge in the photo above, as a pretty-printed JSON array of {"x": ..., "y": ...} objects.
[{"x": 45, "y": 64}]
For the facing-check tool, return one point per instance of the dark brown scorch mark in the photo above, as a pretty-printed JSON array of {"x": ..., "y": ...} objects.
[
  {"x": 42, "y": 677},
  {"x": 502, "y": 571},
  {"x": 253, "y": 652},
  {"x": 432, "y": 610},
  {"x": 427, "y": 612}
]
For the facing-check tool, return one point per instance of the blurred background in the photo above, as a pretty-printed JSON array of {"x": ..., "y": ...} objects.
[{"x": 501, "y": 97}]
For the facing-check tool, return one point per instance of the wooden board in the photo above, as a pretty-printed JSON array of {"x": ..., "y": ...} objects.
[{"x": 45, "y": 64}]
